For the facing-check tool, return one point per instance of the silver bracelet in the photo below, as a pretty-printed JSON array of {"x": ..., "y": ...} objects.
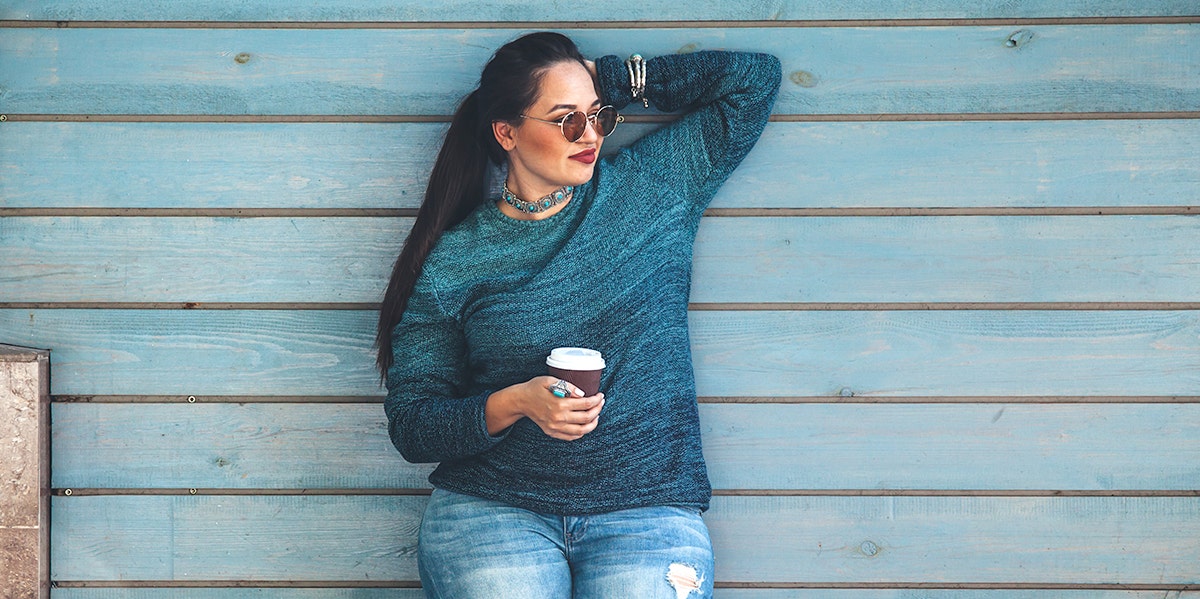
[{"x": 637, "y": 78}]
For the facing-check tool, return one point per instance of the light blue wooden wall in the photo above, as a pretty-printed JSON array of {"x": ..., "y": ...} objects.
[{"x": 946, "y": 316}]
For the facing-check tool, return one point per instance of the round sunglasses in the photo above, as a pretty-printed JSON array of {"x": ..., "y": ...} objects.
[{"x": 573, "y": 123}]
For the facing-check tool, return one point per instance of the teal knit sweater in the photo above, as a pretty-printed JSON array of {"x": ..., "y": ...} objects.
[{"x": 611, "y": 271}]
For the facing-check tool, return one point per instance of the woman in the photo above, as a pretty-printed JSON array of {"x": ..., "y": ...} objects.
[{"x": 538, "y": 495}]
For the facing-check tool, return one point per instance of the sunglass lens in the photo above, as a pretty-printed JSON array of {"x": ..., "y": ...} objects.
[
  {"x": 606, "y": 120},
  {"x": 573, "y": 125}
]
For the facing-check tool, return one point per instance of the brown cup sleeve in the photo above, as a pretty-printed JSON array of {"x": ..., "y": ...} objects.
[{"x": 587, "y": 380}]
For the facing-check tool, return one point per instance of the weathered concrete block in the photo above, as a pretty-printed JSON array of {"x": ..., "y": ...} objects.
[{"x": 24, "y": 472}]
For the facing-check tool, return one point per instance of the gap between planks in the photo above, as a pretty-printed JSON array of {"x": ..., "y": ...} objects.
[
  {"x": 818, "y": 399},
  {"x": 823, "y": 212},
  {"x": 694, "y": 306},
  {"x": 550, "y": 24},
  {"x": 413, "y": 584},
  {"x": 162, "y": 491},
  {"x": 663, "y": 118}
]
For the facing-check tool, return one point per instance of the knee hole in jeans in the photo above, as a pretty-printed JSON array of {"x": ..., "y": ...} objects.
[{"x": 684, "y": 579}]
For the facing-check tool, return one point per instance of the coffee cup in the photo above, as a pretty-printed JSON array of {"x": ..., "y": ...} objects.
[{"x": 577, "y": 365}]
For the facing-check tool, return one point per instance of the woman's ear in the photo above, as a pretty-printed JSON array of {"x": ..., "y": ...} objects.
[{"x": 506, "y": 135}]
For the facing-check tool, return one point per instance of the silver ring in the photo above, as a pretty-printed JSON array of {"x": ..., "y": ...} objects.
[{"x": 559, "y": 389}]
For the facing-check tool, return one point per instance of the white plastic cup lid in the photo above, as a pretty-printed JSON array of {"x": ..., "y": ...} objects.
[{"x": 575, "y": 358}]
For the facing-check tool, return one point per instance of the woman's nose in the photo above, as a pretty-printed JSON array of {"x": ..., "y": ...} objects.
[{"x": 591, "y": 133}]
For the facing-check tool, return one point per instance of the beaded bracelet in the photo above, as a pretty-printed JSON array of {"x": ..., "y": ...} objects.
[{"x": 637, "y": 78}]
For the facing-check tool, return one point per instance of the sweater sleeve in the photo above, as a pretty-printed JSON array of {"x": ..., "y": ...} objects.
[
  {"x": 432, "y": 415},
  {"x": 726, "y": 98}
]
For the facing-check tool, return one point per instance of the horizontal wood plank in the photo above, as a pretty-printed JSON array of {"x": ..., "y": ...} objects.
[
  {"x": 283, "y": 593},
  {"x": 747, "y": 259},
  {"x": 763, "y": 539},
  {"x": 749, "y": 446},
  {"x": 934, "y": 593},
  {"x": 755, "y": 353},
  {"x": 508, "y": 10},
  {"x": 228, "y": 446},
  {"x": 243, "y": 592},
  {"x": 978, "y": 540},
  {"x": 795, "y": 165},
  {"x": 719, "y": 593},
  {"x": 1054, "y": 68}
]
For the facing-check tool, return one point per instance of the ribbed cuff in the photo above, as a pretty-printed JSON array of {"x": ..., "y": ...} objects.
[
  {"x": 614, "y": 81},
  {"x": 489, "y": 440}
]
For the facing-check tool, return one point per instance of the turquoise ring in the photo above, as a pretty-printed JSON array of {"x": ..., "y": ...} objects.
[{"x": 559, "y": 389}]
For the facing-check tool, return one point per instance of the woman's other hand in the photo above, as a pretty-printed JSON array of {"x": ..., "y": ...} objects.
[{"x": 566, "y": 418}]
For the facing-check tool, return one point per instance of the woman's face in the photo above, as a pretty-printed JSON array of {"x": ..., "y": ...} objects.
[{"x": 540, "y": 159}]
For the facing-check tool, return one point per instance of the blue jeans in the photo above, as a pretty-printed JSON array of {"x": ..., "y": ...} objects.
[{"x": 472, "y": 547}]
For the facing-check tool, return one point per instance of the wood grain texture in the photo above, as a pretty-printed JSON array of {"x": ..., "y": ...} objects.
[
  {"x": 279, "y": 593},
  {"x": 287, "y": 260},
  {"x": 775, "y": 539},
  {"x": 510, "y": 10},
  {"x": 752, "y": 446},
  {"x": 719, "y": 593},
  {"x": 758, "y": 353},
  {"x": 287, "y": 593},
  {"x": 962, "y": 539},
  {"x": 925, "y": 70},
  {"x": 229, "y": 446},
  {"x": 746, "y": 259},
  {"x": 794, "y": 165},
  {"x": 927, "y": 593}
]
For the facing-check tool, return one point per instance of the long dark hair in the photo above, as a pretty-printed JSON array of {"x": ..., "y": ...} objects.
[{"x": 459, "y": 180}]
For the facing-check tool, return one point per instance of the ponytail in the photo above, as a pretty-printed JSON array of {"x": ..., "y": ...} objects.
[
  {"x": 459, "y": 180},
  {"x": 457, "y": 185}
]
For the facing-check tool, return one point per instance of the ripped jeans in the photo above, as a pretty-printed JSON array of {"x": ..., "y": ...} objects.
[{"x": 471, "y": 547}]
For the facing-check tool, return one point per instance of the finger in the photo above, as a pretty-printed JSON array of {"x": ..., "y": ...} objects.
[
  {"x": 595, "y": 412},
  {"x": 573, "y": 431},
  {"x": 590, "y": 413},
  {"x": 589, "y": 427},
  {"x": 579, "y": 404},
  {"x": 582, "y": 417},
  {"x": 575, "y": 423}
]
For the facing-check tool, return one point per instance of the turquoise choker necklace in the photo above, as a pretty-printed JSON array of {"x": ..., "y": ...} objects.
[{"x": 554, "y": 198}]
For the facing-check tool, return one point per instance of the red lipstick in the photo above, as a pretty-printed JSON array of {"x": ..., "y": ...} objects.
[{"x": 587, "y": 156}]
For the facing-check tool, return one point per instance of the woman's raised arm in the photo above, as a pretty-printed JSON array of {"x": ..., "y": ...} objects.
[{"x": 726, "y": 98}]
